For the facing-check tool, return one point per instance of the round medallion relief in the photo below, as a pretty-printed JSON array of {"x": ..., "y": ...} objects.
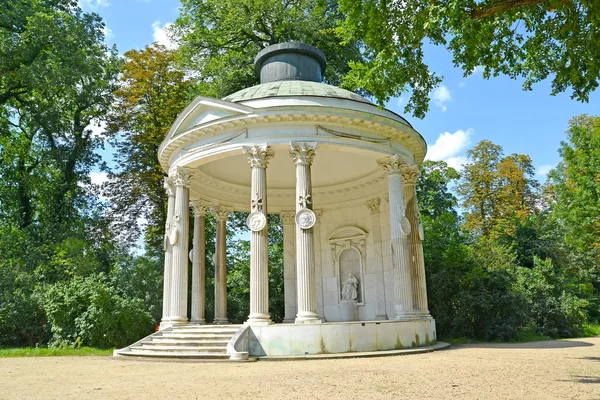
[
  {"x": 421, "y": 232},
  {"x": 165, "y": 242},
  {"x": 405, "y": 226},
  {"x": 256, "y": 221},
  {"x": 306, "y": 218}
]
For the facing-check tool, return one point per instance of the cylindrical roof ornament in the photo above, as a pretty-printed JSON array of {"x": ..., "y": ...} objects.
[{"x": 290, "y": 61}]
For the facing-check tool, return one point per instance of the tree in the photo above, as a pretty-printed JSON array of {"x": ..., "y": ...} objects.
[
  {"x": 433, "y": 189},
  {"x": 219, "y": 39},
  {"x": 152, "y": 93},
  {"x": 575, "y": 184},
  {"x": 498, "y": 192},
  {"x": 528, "y": 39},
  {"x": 480, "y": 186}
]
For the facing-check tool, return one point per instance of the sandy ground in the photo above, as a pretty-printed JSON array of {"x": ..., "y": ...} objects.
[{"x": 567, "y": 369}]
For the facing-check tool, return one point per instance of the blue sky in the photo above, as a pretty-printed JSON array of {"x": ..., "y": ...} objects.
[{"x": 463, "y": 111}]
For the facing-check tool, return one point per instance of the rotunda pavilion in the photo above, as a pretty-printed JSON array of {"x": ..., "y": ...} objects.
[{"x": 341, "y": 174}]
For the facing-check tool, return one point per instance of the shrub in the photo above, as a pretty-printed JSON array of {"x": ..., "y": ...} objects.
[{"x": 88, "y": 311}]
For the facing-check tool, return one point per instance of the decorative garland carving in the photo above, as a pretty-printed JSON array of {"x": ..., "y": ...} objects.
[
  {"x": 374, "y": 204},
  {"x": 352, "y": 136}
]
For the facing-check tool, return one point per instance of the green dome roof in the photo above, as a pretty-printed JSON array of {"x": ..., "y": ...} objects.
[{"x": 293, "y": 88}]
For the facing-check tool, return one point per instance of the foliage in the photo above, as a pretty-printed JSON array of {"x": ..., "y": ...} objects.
[
  {"x": 219, "y": 39},
  {"x": 89, "y": 312},
  {"x": 433, "y": 188},
  {"x": 498, "y": 192},
  {"x": 529, "y": 39},
  {"x": 152, "y": 92},
  {"x": 575, "y": 184},
  {"x": 556, "y": 308}
]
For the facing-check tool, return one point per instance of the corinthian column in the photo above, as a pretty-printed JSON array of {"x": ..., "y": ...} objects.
[
  {"x": 258, "y": 158},
  {"x": 221, "y": 266},
  {"x": 198, "y": 256},
  {"x": 166, "y": 310},
  {"x": 289, "y": 265},
  {"x": 303, "y": 155},
  {"x": 373, "y": 205},
  {"x": 399, "y": 230},
  {"x": 410, "y": 174},
  {"x": 178, "y": 237}
]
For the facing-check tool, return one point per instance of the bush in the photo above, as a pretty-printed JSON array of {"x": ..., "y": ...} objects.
[
  {"x": 556, "y": 309},
  {"x": 89, "y": 312}
]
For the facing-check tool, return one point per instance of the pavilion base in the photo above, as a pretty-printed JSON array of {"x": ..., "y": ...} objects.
[{"x": 339, "y": 337}]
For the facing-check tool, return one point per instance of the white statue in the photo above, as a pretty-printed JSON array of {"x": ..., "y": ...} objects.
[{"x": 349, "y": 289}]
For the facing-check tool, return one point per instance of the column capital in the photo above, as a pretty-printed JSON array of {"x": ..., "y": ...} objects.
[
  {"x": 287, "y": 217},
  {"x": 374, "y": 204},
  {"x": 181, "y": 176},
  {"x": 199, "y": 208},
  {"x": 410, "y": 173},
  {"x": 168, "y": 185},
  {"x": 303, "y": 153},
  {"x": 222, "y": 212},
  {"x": 392, "y": 164},
  {"x": 259, "y": 155}
]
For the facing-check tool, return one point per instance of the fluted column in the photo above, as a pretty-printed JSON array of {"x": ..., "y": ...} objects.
[
  {"x": 410, "y": 174},
  {"x": 221, "y": 266},
  {"x": 303, "y": 155},
  {"x": 166, "y": 310},
  {"x": 198, "y": 256},
  {"x": 289, "y": 265},
  {"x": 374, "y": 207},
  {"x": 258, "y": 158},
  {"x": 399, "y": 230},
  {"x": 178, "y": 238}
]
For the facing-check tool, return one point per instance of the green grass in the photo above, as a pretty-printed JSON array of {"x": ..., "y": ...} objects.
[
  {"x": 590, "y": 330},
  {"x": 52, "y": 352}
]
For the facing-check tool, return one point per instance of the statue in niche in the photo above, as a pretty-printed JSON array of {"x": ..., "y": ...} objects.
[{"x": 350, "y": 288}]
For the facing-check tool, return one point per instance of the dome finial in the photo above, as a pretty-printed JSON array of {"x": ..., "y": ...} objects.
[{"x": 290, "y": 61}]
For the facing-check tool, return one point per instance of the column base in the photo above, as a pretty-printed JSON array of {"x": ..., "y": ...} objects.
[
  {"x": 178, "y": 320},
  {"x": 221, "y": 321},
  {"x": 382, "y": 317},
  {"x": 259, "y": 319},
  {"x": 199, "y": 321},
  {"x": 422, "y": 315},
  {"x": 307, "y": 318},
  {"x": 288, "y": 321}
]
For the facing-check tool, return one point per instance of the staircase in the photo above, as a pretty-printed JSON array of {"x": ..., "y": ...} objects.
[{"x": 189, "y": 341}]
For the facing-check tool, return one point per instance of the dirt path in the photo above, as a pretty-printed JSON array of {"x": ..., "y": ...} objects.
[{"x": 567, "y": 369}]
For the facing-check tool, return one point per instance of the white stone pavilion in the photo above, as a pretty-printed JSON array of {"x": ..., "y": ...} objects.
[{"x": 341, "y": 174}]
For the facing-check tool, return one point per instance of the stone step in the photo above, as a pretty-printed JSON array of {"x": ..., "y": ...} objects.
[
  {"x": 229, "y": 331},
  {"x": 161, "y": 354},
  {"x": 185, "y": 342},
  {"x": 195, "y": 336},
  {"x": 180, "y": 349},
  {"x": 208, "y": 327}
]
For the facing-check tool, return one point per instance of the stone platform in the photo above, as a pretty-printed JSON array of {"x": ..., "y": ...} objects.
[{"x": 337, "y": 337}]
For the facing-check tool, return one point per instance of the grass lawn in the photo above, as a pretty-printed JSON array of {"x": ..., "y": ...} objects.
[{"x": 45, "y": 352}]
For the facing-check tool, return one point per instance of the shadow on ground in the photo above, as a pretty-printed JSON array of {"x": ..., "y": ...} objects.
[
  {"x": 584, "y": 379},
  {"x": 546, "y": 344}
]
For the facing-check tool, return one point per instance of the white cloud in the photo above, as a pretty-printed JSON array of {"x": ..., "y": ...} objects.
[
  {"x": 440, "y": 96},
  {"x": 93, "y": 4},
  {"x": 543, "y": 170},
  {"x": 449, "y": 146},
  {"x": 162, "y": 35},
  {"x": 98, "y": 178},
  {"x": 108, "y": 33}
]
